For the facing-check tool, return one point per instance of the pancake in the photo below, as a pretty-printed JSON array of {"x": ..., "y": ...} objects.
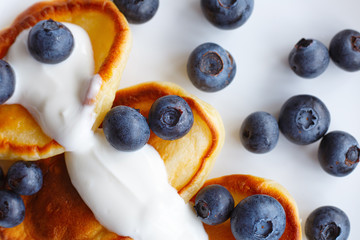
[
  {"x": 189, "y": 159},
  {"x": 242, "y": 186},
  {"x": 20, "y": 135},
  {"x": 58, "y": 212}
]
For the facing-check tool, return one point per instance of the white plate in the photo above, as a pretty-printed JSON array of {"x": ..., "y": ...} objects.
[{"x": 263, "y": 82}]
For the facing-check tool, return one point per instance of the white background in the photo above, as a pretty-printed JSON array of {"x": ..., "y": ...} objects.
[{"x": 263, "y": 82}]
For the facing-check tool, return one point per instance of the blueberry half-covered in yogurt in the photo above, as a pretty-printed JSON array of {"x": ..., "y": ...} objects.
[
  {"x": 258, "y": 217},
  {"x": 210, "y": 67},
  {"x": 12, "y": 209},
  {"x": 304, "y": 119},
  {"x": 259, "y": 132},
  {"x": 126, "y": 129},
  {"x": 345, "y": 50},
  {"x": 170, "y": 117},
  {"x": 214, "y": 204},
  {"x": 338, "y": 153},
  {"x": 227, "y": 14},
  {"x": 7, "y": 81},
  {"x": 327, "y": 223},
  {"x": 137, "y": 11},
  {"x": 50, "y": 42},
  {"x": 309, "y": 58}
]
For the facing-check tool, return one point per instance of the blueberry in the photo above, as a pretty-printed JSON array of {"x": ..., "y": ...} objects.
[
  {"x": 345, "y": 50},
  {"x": 137, "y": 11},
  {"x": 258, "y": 217},
  {"x": 227, "y": 14},
  {"x": 304, "y": 119},
  {"x": 12, "y": 209},
  {"x": 338, "y": 153},
  {"x": 214, "y": 204},
  {"x": 126, "y": 129},
  {"x": 309, "y": 58},
  {"x": 327, "y": 223},
  {"x": 259, "y": 132},
  {"x": 210, "y": 67},
  {"x": 7, "y": 81},
  {"x": 24, "y": 178},
  {"x": 170, "y": 117},
  {"x": 50, "y": 42}
]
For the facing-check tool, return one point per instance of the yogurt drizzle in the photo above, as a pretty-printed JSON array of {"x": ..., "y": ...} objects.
[
  {"x": 128, "y": 193},
  {"x": 54, "y": 93}
]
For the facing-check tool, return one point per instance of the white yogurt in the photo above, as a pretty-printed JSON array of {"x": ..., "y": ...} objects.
[
  {"x": 128, "y": 192},
  {"x": 54, "y": 93}
]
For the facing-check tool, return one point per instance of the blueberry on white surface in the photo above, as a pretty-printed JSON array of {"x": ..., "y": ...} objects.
[
  {"x": 126, "y": 129},
  {"x": 214, "y": 204},
  {"x": 170, "y": 117},
  {"x": 259, "y": 132},
  {"x": 338, "y": 153},
  {"x": 7, "y": 81},
  {"x": 309, "y": 58},
  {"x": 50, "y": 42},
  {"x": 210, "y": 67},
  {"x": 304, "y": 119},
  {"x": 345, "y": 50},
  {"x": 327, "y": 223},
  {"x": 137, "y": 11},
  {"x": 258, "y": 217},
  {"x": 227, "y": 14},
  {"x": 12, "y": 209}
]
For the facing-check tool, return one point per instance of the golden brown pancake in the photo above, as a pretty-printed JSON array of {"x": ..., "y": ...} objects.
[
  {"x": 242, "y": 186},
  {"x": 20, "y": 135},
  {"x": 58, "y": 212},
  {"x": 189, "y": 159}
]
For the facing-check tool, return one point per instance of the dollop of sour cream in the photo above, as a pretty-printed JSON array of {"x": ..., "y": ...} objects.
[{"x": 128, "y": 192}]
